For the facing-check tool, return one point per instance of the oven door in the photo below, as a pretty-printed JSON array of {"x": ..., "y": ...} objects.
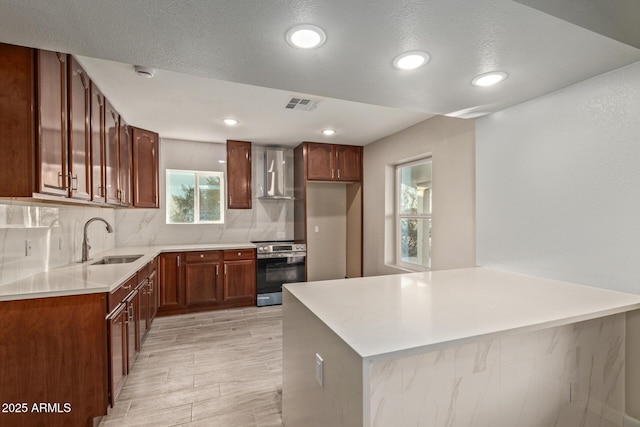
[{"x": 272, "y": 272}]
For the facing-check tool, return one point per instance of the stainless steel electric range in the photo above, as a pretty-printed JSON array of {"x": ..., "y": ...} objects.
[{"x": 278, "y": 262}]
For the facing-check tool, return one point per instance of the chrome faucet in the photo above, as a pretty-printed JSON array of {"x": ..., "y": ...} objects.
[{"x": 85, "y": 238}]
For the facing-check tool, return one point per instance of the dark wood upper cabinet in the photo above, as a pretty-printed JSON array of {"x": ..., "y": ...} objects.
[
  {"x": 145, "y": 171},
  {"x": 98, "y": 106},
  {"x": 320, "y": 162},
  {"x": 79, "y": 131},
  {"x": 17, "y": 121},
  {"x": 62, "y": 139},
  {"x": 124, "y": 164},
  {"x": 51, "y": 128},
  {"x": 348, "y": 163},
  {"x": 112, "y": 137},
  {"x": 238, "y": 175},
  {"x": 332, "y": 162}
]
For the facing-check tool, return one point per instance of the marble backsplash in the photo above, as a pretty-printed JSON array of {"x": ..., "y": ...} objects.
[
  {"x": 267, "y": 220},
  {"x": 54, "y": 233}
]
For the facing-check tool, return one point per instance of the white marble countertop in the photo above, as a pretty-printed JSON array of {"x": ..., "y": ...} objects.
[
  {"x": 412, "y": 313},
  {"x": 76, "y": 279}
]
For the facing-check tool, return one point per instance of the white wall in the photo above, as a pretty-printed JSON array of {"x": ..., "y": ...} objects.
[
  {"x": 267, "y": 220},
  {"x": 450, "y": 142},
  {"x": 326, "y": 248},
  {"x": 558, "y": 184}
]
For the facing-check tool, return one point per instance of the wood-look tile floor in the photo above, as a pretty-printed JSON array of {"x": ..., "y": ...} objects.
[{"x": 217, "y": 368}]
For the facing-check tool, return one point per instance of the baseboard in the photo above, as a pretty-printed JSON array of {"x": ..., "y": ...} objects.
[{"x": 630, "y": 422}]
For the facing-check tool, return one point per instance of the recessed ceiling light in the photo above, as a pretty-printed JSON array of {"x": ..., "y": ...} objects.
[
  {"x": 328, "y": 132},
  {"x": 411, "y": 60},
  {"x": 143, "y": 71},
  {"x": 489, "y": 79},
  {"x": 230, "y": 122},
  {"x": 306, "y": 36}
]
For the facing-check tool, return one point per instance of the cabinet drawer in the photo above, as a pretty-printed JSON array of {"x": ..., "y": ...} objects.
[
  {"x": 144, "y": 272},
  {"x": 204, "y": 256},
  {"x": 231, "y": 254},
  {"x": 120, "y": 294}
]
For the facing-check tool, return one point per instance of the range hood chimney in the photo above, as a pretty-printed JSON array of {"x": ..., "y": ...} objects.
[{"x": 274, "y": 175}]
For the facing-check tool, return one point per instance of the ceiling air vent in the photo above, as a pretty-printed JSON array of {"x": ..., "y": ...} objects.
[{"x": 303, "y": 104}]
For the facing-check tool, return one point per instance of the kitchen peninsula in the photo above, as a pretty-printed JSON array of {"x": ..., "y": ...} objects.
[{"x": 467, "y": 347}]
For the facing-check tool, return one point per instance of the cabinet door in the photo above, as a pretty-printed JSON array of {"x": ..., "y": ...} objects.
[
  {"x": 98, "y": 192},
  {"x": 238, "y": 175},
  {"x": 320, "y": 162},
  {"x": 145, "y": 169},
  {"x": 17, "y": 121},
  {"x": 348, "y": 163},
  {"x": 239, "y": 280},
  {"x": 133, "y": 333},
  {"x": 202, "y": 284},
  {"x": 124, "y": 164},
  {"x": 117, "y": 328},
  {"x": 170, "y": 280},
  {"x": 112, "y": 137},
  {"x": 79, "y": 130},
  {"x": 52, "y": 123},
  {"x": 153, "y": 298},
  {"x": 143, "y": 314}
]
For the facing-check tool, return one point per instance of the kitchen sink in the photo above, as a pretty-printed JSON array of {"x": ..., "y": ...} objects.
[{"x": 122, "y": 259}]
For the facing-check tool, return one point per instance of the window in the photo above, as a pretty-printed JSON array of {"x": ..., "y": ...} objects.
[
  {"x": 195, "y": 197},
  {"x": 413, "y": 245}
]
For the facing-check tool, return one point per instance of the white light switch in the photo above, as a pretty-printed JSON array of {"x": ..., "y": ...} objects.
[
  {"x": 316, "y": 229},
  {"x": 320, "y": 370}
]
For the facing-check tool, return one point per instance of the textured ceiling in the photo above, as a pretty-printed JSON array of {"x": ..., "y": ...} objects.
[{"x": 242, "y": 41}]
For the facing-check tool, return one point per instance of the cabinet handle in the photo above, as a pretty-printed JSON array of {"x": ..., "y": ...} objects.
[
  {"x": 61, "y": 181},
  {"x": 122, "y": 195},
  {"x": 201, "y": 255},
  {"x": 217, "y": 269},
  {"x": 239, "y": 253},
  {"x": 338, "y": 173},
  {"x": 101, "y": 190},
  {"x": 127, "y": 287},
  {"x": 178, "y": 261},
  {"x": 150, "y": 286},
  {"x": 225, "y": 269},
  {"x": 130, "y": 314},
  {"x": 74, "y": 183}
]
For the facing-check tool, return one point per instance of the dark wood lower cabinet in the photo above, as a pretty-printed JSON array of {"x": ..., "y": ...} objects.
[
  {"x": 118, "y": 361},
  {"x": 128, "y": 321},
  {"x": 207, "y": 280},
  {"x": 240, "y": 281},
  {"x": 53, "y": 357},
  {"x": 202, "y": 278},
  {"x": 170, "y": 285}
]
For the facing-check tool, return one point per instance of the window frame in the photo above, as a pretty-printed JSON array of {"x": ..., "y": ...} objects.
[
  {"x": 400, "y": 216},
  {"x": 196, "y": 198}
]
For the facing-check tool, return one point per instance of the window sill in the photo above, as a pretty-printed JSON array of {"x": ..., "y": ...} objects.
[{"x": 407, "y": 269}]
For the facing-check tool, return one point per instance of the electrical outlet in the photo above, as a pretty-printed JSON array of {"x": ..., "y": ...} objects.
[
  {"x": 320, "y": 370},
  {"x": 316, "y": 229},
  {"x": 572, "y": 393},
  {"x": 27, "y": 248}
]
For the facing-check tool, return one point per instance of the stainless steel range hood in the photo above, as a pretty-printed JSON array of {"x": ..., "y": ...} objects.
[{"x": 274, "y": 175}]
